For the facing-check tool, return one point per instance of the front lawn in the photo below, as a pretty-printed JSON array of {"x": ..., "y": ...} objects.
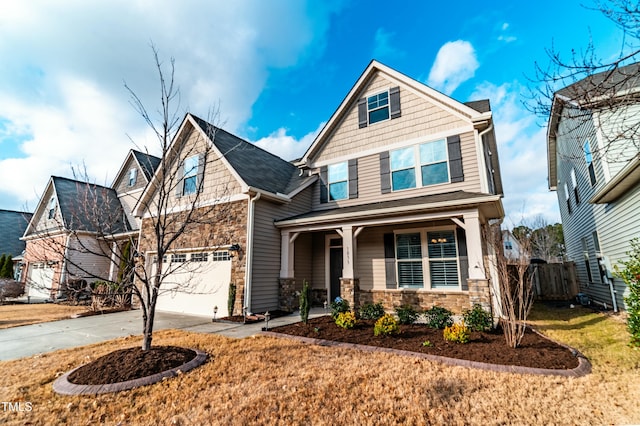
[
  {"x": 33, "y": 313},
  {"x": 266, "y": 380}
]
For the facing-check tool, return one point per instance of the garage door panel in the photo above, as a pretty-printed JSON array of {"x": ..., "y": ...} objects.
[
  {"x": 195, "y": 288},
  {"x": 39, "y": 282}
]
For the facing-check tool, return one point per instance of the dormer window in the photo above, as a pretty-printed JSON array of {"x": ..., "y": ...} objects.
[
  {"x": 378, "y": 107},
  {"x": 52, "y": 208},
  {"x": 133, "y": 175}
]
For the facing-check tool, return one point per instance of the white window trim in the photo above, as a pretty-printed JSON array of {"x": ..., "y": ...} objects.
[
  {"x": 193, "y": 172},
  {"x": 329, "y": 182},
  {"x": 388, "y": 105},
  {"x": 417, "y": 166}
]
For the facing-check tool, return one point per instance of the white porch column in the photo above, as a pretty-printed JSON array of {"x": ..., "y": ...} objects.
[
  {"x": 347, "y": 252},
  {"x": 474, "y": 246},
  {"x": 286, "y": 255}
]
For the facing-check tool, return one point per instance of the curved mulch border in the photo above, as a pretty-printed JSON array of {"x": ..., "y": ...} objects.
[
  {"x": 64, "y": 387},
  {"x": 583, "y": 368}
]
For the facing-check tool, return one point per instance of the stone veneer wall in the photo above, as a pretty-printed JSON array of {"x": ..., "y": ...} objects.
[
  {"x": 221, "y": 225},
  {"x": 455, "y": 302}
]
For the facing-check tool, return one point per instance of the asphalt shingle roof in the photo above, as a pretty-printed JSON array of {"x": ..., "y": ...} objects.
[
  {"x": 482, "y": 105},
  {"x": 149, "y": 163},
  {"x": 608, "y": 82},
  {"x": 12, "y": 227}
]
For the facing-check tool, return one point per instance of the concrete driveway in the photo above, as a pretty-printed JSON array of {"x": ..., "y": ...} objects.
[{"x": 28, "y": 340}]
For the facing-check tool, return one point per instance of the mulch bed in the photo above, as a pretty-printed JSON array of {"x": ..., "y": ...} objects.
[
  {"x": 254, "y": 318},
  {"x": 487, "y": 347},
  {"x": 129, "y": 364}
]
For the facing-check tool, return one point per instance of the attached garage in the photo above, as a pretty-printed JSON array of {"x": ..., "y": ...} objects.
[
  {"x": 196, "y": 282},
  {"x": 39, "y": 281}
]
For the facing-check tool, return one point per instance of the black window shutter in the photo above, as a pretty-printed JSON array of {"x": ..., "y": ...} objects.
[
  {"x": 455, "y": 158},
  {"x": 394, "y": 102},
  {"x": 362, "y": 113},
  {"x": 462, "y": 242},
  {"x": 390, "y": 261},
  {"x": 324, "y": 193},
  {"x": 200, "y": 178},
  {"x": 385, "y": 173},
  {"x": 353, "y": 178}
]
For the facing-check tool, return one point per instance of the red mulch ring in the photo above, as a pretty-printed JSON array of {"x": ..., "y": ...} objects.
[
  {"x": 487, "y": 347},
  {"x": 129, "y": 364}
]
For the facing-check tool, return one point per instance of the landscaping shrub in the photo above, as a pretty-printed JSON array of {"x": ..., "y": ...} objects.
[
  {"x": 458, "y": 333},
  {"x": 346, "y": 319},
  {"x": 305, "y": 295},
  {"x": 478, "y": 319},
  {"x": 231, "y": 300},
  {"x": 371, "y": 311},
  {"x": 406, "y": 314},
  {"x": 339, "y": 306},
  {"x": 631, "y": 277},
  {"x": 438, "y": 317},
  {"x": 10, "y": 288},
  {"x": 386, "y": 326}
]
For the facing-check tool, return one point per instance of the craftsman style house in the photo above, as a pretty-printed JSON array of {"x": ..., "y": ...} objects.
[
  {"x": 594, "y": 165},
  {"x": 65, "y": 239},
  {"x": 388, "y": 204}
]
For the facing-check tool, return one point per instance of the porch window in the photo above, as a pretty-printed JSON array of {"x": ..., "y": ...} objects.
[
  {"x": 337, "y": 175},
  {"x": 443, "y": 259},
  {"x": 433, "y": 163},
  {"x": 190, "y": 175},
  {"x": 409, "y": 258},
  {"x": 403, "y": 174}
]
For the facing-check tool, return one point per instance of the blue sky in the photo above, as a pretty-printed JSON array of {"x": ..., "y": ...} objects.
[{"x": 277, "y": 69}]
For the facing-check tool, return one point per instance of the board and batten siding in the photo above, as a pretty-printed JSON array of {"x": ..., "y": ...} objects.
[
  {"x": 420, "y": 118},
  {"x": 266, "y": 248},
  {"x": 369, "y": 187}
]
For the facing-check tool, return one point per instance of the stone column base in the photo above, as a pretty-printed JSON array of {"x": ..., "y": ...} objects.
[
  {"x": 479, "y": 292},
  {"x": 350, "y": 291},
  {"x": 287, "y": 299}
]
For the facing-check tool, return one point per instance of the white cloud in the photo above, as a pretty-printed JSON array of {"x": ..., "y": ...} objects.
[
  {"x": 286, "y": 146},
  {"x": 522, "y": 153},
  {"x": 455, "y": 63},
  {"x": 63, "y": 87}
]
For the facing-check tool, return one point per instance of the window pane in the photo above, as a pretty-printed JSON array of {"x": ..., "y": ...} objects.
[
  {"x": 435, "y": 173},
  {"x": 587, "y": 153},
  {"x": 401, "y": 158},
  {"x": 403, "y": 179},
  {"x": 337, "y": 172},
  {"x": 433, "y": 152},
  {"x": 410, "y": 274},
  {"x": 338, "y": 191},
  {"x": 444, "y": 273},
  {"x": 441, "y": 244},
  {"x": 191, "y": 166},
  {"x": 408, "y": 246},
  {"x": 378, "y": 115},
  {"x": 189, "y": 185}
]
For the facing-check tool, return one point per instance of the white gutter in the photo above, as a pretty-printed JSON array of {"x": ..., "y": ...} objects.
[
  {"x": 483, "y": 175},
  {"x": 249, "y": 251}
]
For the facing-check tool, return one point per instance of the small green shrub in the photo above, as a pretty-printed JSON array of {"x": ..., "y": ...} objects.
[
  {"x": 478, "y": 319},
  {"x": 338, "y": 306},
  {"x": 371, "y": 311},
  {"x": 427, "y": 344},
  {"x": 305, "y": 306},
  {"x": 438, "y": 317},
  {"x": 407, "y": 314},
  {"x": 231, "y": 298},
  {"x": 458, "y": 333},
  {"x": 346, "y": 320},
  {"x": 630, "y": 274},
  {"x": 386, "y": 325}
]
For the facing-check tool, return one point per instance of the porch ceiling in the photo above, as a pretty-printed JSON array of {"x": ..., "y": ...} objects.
[{"x": 443, "y": 205}]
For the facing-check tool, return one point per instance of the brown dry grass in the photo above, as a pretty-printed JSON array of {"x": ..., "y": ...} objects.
[
  {"x": 264, "y": 380},
  {"x": 24, "y": 314}
]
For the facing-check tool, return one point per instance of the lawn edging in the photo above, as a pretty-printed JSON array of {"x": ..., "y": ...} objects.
[
  {"x": 583, "y": 368},
  {"x": 64, "y": 387}
]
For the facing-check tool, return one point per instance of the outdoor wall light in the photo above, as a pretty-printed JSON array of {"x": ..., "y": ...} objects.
[
  {"x": 233, "y": 250},
  {"x": 215, "y": 311}
]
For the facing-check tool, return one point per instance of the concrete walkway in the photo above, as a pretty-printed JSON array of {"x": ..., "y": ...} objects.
[{"x": 29, "y": 340}]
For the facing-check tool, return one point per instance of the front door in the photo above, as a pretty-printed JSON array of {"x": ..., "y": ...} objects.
[{"x": 335, "y": 268}]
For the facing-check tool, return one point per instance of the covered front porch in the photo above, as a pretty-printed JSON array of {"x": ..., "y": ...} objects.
[{"x": 415, "y": 253}]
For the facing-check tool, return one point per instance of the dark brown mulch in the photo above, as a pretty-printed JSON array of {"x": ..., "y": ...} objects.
[
  {"x": 255, "y": 317},
  {"x": 489, "y": 347},
  {"x": 129, "y": 364}
]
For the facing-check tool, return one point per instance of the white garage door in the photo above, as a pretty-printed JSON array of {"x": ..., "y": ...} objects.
[
  {"x": 197, "y": 282},
  {"x": 39, "y": 281}
]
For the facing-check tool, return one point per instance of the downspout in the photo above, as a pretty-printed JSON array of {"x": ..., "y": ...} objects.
[
  {"x": 249, "y": 252},
  {"x": 483, "y": 176},
  {"x": 63, "y": 272}
]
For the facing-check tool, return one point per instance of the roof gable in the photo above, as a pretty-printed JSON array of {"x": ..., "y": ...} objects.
[
  {"x": 12, "y": 226},
  {"x": 145, "y": 163}
]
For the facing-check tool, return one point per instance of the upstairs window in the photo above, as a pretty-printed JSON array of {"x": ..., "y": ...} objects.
[
  {"x": 52, "y": 208},
  {"x": 338, "y": 177},
  {"x": 190, "y": 181},
  {"x": 588, "y": 158},
  {"x": 403, "y": 175},
  {"x": 378, "y": 107},
  {"x": 508, "y": 245},
  {"x": 567, "y": 198},
  {"x": 433, "y": 163},
  {"x": 574, "y": 182},
  {"x": 133, "y": 175}
]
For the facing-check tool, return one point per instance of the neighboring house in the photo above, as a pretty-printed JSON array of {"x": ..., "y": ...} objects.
[
  {"x": 77, "y": 227},
  {"x": 511, "y": 246},
  {"x": 388, "y": 204},
  {"x": 594, "y": 165},
  {"x": 12, "y": 227}
]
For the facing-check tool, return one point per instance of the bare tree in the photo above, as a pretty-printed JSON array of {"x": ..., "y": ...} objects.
[
  {"x": 590, "y": 87},
  {"x": 514, "y": 280}
]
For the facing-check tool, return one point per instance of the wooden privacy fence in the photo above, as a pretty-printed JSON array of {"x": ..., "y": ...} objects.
[{"x": 555, "y": 281}]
